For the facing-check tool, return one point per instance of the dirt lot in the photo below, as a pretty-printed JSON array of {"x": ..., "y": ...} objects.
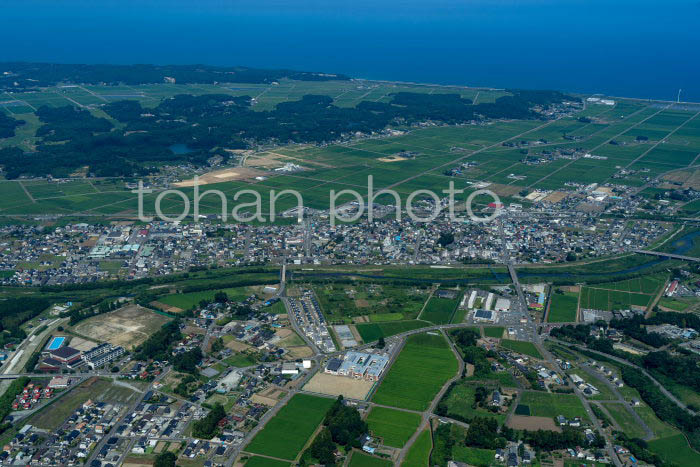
[
  {"x": 505, "y": 190},
  {"x": 324, "y": 383},
  {"x": 224, "y": 175},
  {"x": 524, "y": 422},
  {"x": 129, "y": 326},
  {"x": 81, "y": 344},
  {"x": 300, "y": 352},
  {"x": 167, "y": 308},
  {"x": 238, "y": 346},
  {"x": 555, "y": 196},
  {"x": 268, "y": 397}
]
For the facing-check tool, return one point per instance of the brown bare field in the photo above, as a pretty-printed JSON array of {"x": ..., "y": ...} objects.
[
  {"x": 355, "y": 334},
  {"x": 128, "y": 326},
  {"x": 284, "y": 332},
  {"x": 238, "y": 346},
  {"x": 524, "y": 422},
  {"x": 324, "y": 383},
  {"x": 300, "y": 352},
  {"x": 259, "y": 399},
  {"x": 78, "y": 343},
  {"x": 361, "y": 303},
  {"x": 392, "y": 158},
  {"x": 166, "y": 308},
  {"x": 571, "y": 288},
  {"x": 555, "y": 196},
  {"x": 505, "y": 190},
  {"x": 224, "y": 175}
]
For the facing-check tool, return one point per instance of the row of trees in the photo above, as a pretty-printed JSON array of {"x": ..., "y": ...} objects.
[
  {"x": 16, "y": 311},
  {"x": 27, "y": 75}
]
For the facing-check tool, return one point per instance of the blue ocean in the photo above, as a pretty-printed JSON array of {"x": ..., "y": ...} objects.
[{"x": 645, "y": 49}]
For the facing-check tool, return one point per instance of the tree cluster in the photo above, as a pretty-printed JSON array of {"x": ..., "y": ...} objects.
[
  {"x": 16, "y": 311},
  {"x": 158, "y": 346},
  {"x": 33, "y": 75},
  {"x": 8, "y": 125},
  {"x": 206, "y": 427},
  {"x": 210, "y": 122}
]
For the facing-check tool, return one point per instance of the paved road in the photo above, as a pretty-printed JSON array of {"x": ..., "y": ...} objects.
[{"x": 644, "y": 372}]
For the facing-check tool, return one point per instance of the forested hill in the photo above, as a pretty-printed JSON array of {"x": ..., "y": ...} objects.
[
  {"x": 73, "y": 137},
  {"x": 20, "y": 76}
]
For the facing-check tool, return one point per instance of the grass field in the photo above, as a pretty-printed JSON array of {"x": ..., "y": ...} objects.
[
  {"x": 439, "y": 310},
  {"x": 473, "y": 456},
  {"x": 286, "y": 433},
  {"x": 460, "y": 398},
  {"x": 618, "y": 295},
  {"x": 373, "y": 331},
  {"x": 523, "y": 347},
  {"x": 625, "y": 420},
  {"x": 360, "y": 459},
  {"x": 395, "y": 427},
  {"x": 660, "y": 428},
  {"x": 240, "y": 360},
  {"x": 496, "y": 332},
  {"x": 426, "y": 355},
  {"x": 185, "y": 301},
  {"x": 419, "y": 454},
  {"x": 675, "y": 449},
  {"x": 256, "y": 461},
  {"x": 544, "y": 404},
  {"x": 563, "y": 307}
]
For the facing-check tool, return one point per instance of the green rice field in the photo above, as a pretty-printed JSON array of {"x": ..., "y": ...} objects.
[
  {"x": 424, "y": 354},
  {"x": 394, "y": 427},
  {"x": 285, "y": 435}
]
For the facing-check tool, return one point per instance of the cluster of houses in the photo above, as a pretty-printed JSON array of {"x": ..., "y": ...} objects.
[
  {"x": 30, "y": 396},
  {"x": 71, "y": 443},
  {"x": 587, "y": 388},
  {"x": 307, "y": 313}
]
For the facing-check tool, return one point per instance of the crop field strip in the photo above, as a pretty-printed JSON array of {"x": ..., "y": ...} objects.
[
  {"x": 424, "y": 354},
  {"x": 285, "y": 435},
  {"x": 395, "y": 427}
]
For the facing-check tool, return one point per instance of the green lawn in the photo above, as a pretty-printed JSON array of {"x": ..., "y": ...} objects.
[
  {"x": 419, "y": 454},
  {"x": 285, "y": 435},
  {"x": 545, "y": 404},
  {"x": 675, "y": 449},
  {"x": 523, "y": 347},
  {"x": 426, "y": 355},
  {"x": 563, "y": 307},
  {"x": 473, "y": 456},
  {"x": 496, "y": 332},
  {"x": 240, "y": 360},
  {"x": 265, "y": 462},
  {"x": 360, "y": 459},
  {"x": 394, "y": 427}
]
